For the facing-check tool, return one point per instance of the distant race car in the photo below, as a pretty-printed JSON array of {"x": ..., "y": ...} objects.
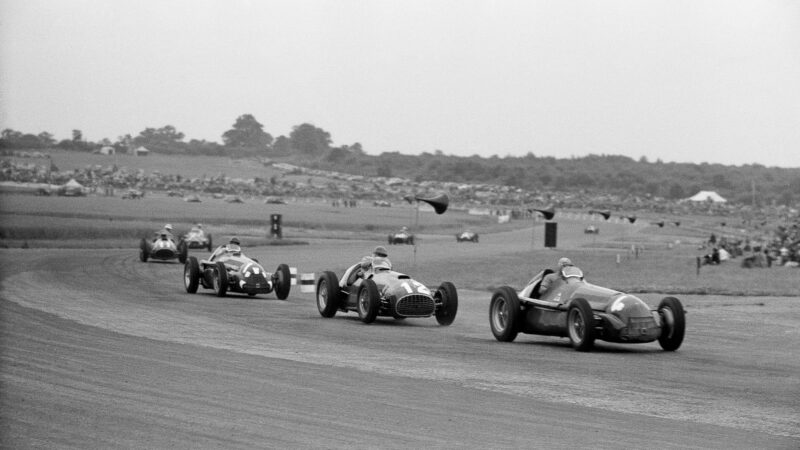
[
  {"x": 467, "y": 236},
  {"x": 591, "y": 229},
  {"x": 228, "y": 270},
  {"x": 133, "y": 194},
  {"x": 162, "y": 248},
  {"x": 198, "y": 238},
  {"x": 381, "y": 203},
  {"x": 403, "y": 237},
  {"x": 275, "y": 201},
  {"x": 584, "y": 312},
  {"x": 384, "y": 292}
]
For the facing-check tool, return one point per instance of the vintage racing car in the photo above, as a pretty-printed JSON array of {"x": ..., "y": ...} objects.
[
  {"x": 467, "y": 236},
  {"x": 584, "y": 312},
  {"x": 381, "y": 291},
  {"x": 228, "y": 270},
  {"x": 163, "y": 248},
  {"x": 403, "y": 237},
  {"x": 198, "y": 238},
  {"x": 592, "y": 229}
]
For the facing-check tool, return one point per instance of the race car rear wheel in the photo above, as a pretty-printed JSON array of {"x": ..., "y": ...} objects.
[
  {"x": 448, "y": 296},
  {"x": 368, "y": 301},
  {"x": 220, "y": 279},
  {"x": 580, "y": 325},
  {"x": 504, "y": 314},
  {"x": 143, "y": 252},
  {"x": 283, "y": 281},
  {"x": 327, "y": 294},
  {"x": 191, "y": 275},
  {"x": 673, "y": 323}
]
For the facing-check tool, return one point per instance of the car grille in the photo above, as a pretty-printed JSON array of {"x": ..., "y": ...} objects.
[
  {"x": 415, "y": 305},
  {"x": 163, "y": 253},
  {"x": 640, "y": 327}
]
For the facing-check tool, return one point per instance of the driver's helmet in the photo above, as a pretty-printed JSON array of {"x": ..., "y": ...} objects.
[
  {"x": 404, "y": 229},
  {"x": 234, "y": 249},
  {"x": 168, "y": 227},
  {"x": 199, "y": 225},
  {"x": 235, "y": 241},
  {"x": 381, "y": 263},
  {"x": 380, "y": 251}
]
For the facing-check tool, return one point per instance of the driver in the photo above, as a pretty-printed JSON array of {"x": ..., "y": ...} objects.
[
  {"x": 231, "y": 248},
  {"x": 378, "y": 261},
  {"x": 165, "y": 233},
  {"x": 553, "y": 278}
]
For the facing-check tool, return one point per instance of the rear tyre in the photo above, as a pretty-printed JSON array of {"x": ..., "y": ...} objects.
[
  {"x": 504, "y": 314},
  {"x": 220, "y": 279},
  {"x": 448, "y": 296},
  {"x": 673, "y": 323},
  {"x": 580, "y": 325},
  {"x": 327, "y": 294},
  {"x": 368, "y": 301},
  {"x": 143, "y": 252},
  {"x": 191, "y": 275},
  {"x": 283, "y": 281}
]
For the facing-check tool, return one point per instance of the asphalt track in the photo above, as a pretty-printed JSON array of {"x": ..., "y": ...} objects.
[{"x": 102, "y": 351}]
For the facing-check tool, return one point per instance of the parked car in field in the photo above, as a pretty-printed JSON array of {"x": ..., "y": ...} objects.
[
  {"x": 381, "y": 291},
  {"x": 584, "y": 312},
  {"x": 228, "y": 270},
  {"x": 467, "y": 236}
]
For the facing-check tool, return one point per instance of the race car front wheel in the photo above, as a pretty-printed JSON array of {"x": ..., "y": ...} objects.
[
  {"x": 504, "y": 314},
  {"x": 283, "y": 281},
  {"x": 580, "y": 325},
  {"x": 327, "y": 294},
  {"x": 191, "y": 275},
  {"x": 368, "y": 301},
  {"x": 448, "y": 296},
  {"x": 143, "y": 251},
  {"x": 673, "y": 323}
]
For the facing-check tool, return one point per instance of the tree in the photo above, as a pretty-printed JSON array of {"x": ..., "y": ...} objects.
[
  {"x": 310, "y": 140},
  {"x": 282, "y": 146},
  {"x": 46, "y": 139},
  {"x": 247, "y": 133},
  {"x": 161, "y": 140}
]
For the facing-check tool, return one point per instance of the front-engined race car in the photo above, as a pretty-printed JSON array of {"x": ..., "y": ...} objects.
[
  {"x": 592, "y": 229},
  {"x": 384, "y": 292},
  {"x": 197, "y": 238},
  {"x": 467, "y": 236},
  {"x": 403, "y": 237},
  {"x": 162, "y": 248},
  {"x": 583, "y": 312},
  {"x": 228, "y": 270}
]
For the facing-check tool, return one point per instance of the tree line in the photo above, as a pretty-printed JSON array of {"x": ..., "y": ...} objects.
[{"x": 311, "y": 146}]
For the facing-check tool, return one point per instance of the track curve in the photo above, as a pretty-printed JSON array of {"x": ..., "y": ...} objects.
[{"x": 102, "y": 350}]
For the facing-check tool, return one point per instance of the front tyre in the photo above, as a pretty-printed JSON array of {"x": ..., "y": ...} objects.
[
  {"x": 673, "y": 323},
  {"x": 368, "y": 301},
  {"x": 143, "y": 250},
  {"x": 580, "y": 325},
  {"x": 504, "y": 314},
  {"x": 220, "y": 279},
  {"x": 191, "y": 275},
  {"x": 283, "y": 281},
  {"x": 327, "y": 294},
  {"x": 183, "y": 251},
  {"x": 448, "y": 307}
]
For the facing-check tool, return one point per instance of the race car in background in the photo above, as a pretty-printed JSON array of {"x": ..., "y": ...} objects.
[
  {"x": 196, "y": 237},
  {"x": 592, "y": 229},
  {"x": 162, "y": 248},
  {"x": 584, "y": 312},
  {"x": 467, "y": 236},
  {"x": 380, "y": 291},
  {"x": 228, "y": 270}
]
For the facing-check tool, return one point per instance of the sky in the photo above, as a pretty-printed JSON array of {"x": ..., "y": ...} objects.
[{"x": 694, "y": 81}]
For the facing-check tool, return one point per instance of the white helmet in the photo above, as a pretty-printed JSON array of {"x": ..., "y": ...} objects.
[{"x": 168, "y": 227}]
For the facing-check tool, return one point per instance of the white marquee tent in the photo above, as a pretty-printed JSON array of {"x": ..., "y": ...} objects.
[{"x": 705, "y": 196}]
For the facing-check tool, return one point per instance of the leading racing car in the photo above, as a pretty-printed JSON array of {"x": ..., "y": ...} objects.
[
  {"x": 228, "y": 270},
  {"x": 381, "y": 291},
  {"x": 584, "y": 312},
  {"x": 163, "y": 248}
]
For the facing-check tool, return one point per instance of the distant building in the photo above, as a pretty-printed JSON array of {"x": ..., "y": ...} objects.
[
  {"x": 707, "y": 196},
  {"x": 141, "y": 151},
  {"x": 107, "y": 150}
]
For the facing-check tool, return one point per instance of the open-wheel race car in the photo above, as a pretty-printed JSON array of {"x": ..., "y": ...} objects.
[
  {"x": 592, "y": 229},
  {"x": 467, "y": 236},
  {"x": 162, "y": 248},
  {"x": 381, "y": 291},
  {"x": 228, "y": 270},
  {"x": 584, "y": 312},
  {"x": 403, "y": 237},
  {"x": 196, "y": 237}
]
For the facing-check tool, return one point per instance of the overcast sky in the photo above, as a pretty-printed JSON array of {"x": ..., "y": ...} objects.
[{"x": 685, "y": 81}]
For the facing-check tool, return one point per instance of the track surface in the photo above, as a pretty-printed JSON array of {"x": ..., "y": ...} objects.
[{"x": 102, "y": 351}]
